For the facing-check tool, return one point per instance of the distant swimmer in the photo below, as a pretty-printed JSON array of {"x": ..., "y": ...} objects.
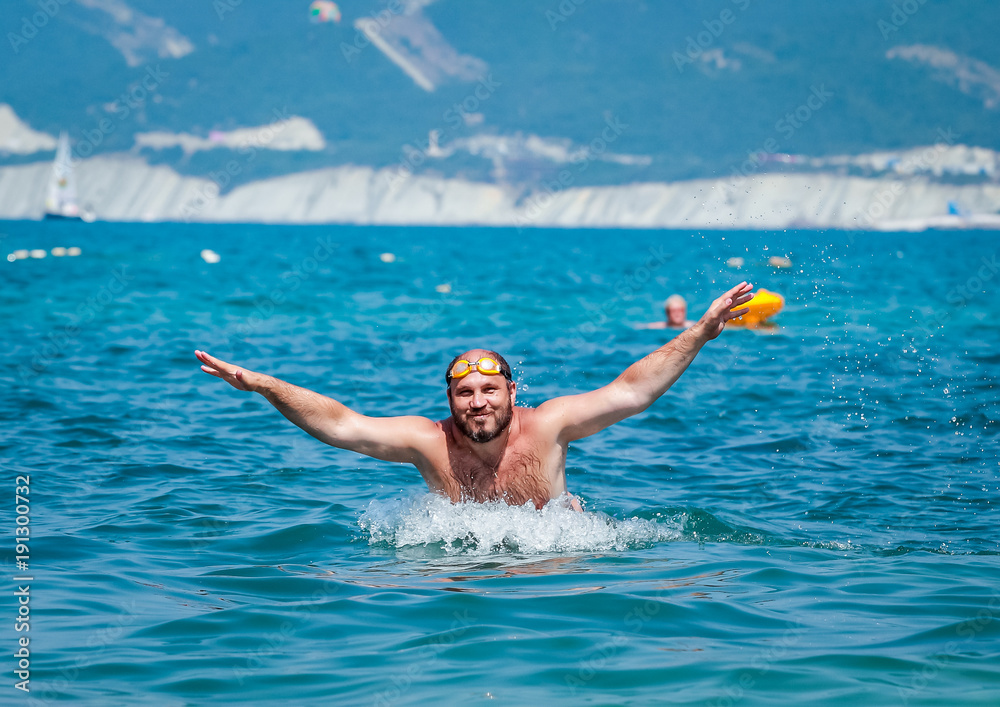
[
  {"x": 489, "y": 449},
  {"x": 675, "y": 310}
]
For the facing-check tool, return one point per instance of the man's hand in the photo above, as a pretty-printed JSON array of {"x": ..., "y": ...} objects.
[
  {"x": 725, "y": 308},
  {"x": 577, "y": 416},
  {"x": 239, "y": 378}
]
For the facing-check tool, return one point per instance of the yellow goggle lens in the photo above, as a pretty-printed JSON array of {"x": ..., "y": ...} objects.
[{"x": 486, "y": 366}]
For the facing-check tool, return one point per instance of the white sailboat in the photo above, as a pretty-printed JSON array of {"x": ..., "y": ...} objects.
[{"x": 60, "y": 202}]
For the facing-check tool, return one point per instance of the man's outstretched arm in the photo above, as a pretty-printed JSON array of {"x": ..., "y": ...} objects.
[
  {"x": 395, "y": 439},
  {"x": 577, "y": 416}
]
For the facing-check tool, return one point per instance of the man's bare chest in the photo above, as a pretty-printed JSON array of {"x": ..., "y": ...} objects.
[{"x": 518, "y": 476}]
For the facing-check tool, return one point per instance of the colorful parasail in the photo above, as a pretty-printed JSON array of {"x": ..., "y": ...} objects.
[{"x": 324, "y": 11}]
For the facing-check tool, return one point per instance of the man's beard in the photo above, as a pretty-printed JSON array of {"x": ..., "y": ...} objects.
[{"x": 503, "y": 418}]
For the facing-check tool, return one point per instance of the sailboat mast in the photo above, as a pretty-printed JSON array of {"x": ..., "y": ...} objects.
[{"x": 61, "y": 198}]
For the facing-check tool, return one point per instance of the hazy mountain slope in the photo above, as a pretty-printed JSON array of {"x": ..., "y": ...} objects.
[{"x": 558, "y": 79}]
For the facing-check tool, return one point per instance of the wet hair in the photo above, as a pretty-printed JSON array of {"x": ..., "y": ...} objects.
[
  {"x": 674, "y": 299},
  {"x": 504, "y": 366}
]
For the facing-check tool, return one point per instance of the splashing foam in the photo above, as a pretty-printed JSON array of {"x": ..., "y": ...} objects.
[{"x": 488, "y": 528}]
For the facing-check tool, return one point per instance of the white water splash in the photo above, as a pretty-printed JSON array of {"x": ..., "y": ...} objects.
[{"x": 489, "y": 528}]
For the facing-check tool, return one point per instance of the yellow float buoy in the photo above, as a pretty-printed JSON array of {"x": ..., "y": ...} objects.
[{"x": 763, "y": 305}]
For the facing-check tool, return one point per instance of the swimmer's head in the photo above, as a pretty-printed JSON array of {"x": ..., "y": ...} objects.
[
  {"x": 481, "y": 394},
  {"x": 676, "y": 310},
  {"x": 475, "y": 357}
]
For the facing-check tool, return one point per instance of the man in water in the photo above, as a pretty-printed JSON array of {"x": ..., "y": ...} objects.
[
  {"x": 489, "y": 449},
  {"x": 675, "y": 309}
]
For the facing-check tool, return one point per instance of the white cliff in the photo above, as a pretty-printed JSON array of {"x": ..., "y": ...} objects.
[{"x": 122, "y": 188}]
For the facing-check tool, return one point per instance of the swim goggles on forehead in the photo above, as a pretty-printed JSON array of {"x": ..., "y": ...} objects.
[{"x": 486, "y": 366}]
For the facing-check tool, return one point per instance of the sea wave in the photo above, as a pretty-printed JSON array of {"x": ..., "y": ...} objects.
[{"x": 487, "y": 528}]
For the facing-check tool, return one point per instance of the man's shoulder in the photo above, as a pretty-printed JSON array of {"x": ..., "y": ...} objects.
[
  {"x": 525, "y": 414},
  {"x": 542, "y": 421},
  {"x": 415, "y": 430},
  {"x": 434, "y": 427},
  {"x": 427, "y": 436}
]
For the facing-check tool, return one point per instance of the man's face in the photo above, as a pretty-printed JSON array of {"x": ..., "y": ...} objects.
[
  {"x": 482, "y": 406},
  {"x": 676, "y": 314}
]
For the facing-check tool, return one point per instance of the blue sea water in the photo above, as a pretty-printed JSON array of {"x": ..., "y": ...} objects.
[{"x": 808, "y": 517}]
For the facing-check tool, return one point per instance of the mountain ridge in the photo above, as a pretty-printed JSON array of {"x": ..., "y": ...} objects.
[{"x": 704, "y": 90}]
